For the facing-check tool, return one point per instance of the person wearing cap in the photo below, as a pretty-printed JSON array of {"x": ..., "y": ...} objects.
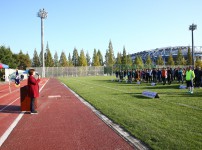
[
  {"x": 33, "y": 89},
  {"x": 189, "y": 79}
]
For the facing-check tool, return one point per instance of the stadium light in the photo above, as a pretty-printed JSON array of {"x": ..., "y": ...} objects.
[
  {"x": 192, "y": 28},
  {"x": 43, "y": 15}
]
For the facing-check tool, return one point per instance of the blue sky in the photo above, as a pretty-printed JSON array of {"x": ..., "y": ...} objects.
[{"x": 87, "y": 24}]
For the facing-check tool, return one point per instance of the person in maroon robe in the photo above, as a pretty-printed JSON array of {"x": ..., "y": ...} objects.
[{"x": 33, "y": 89}]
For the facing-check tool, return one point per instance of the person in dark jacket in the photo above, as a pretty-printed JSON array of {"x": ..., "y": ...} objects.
[{"x": 33, "y": 89}]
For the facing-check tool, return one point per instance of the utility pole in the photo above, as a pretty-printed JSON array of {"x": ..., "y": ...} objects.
[{"x": 192, "y": 28}]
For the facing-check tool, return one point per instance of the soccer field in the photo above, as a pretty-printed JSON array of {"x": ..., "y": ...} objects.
[{"x": 173, "y": 121}]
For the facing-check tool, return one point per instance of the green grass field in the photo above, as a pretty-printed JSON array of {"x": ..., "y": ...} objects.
[{"x": 174, "y": 121}]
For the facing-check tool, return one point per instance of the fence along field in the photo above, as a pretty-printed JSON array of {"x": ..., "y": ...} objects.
[{"x": 71, "y": 71}]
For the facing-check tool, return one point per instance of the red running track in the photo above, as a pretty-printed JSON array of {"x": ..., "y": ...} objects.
[
  {"x": 10, "y": 104},
  {"x": 63, "y": 123}
]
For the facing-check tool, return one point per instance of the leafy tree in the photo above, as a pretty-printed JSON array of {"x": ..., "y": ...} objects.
[
  {"x": 15, "y": 61},
  {"x": 189, "y": 57},
  {"x": 148, "y": 60},
  {"x": 6, "y": 57},
  {"x": 70, "y": 60},
  {"x": 24, "y": 60},
  {"x": 75, "y": 57},
  {"x": 82, "y": 59},
  {"x": 100, "y": 58},
  {"x": 63, "y": 60},
  {"x": 95, "y": 59},
  {"x": 179, "y": 57},
  {"x": 124, "y": 57},
  {"x": 88, "y": 59},
  {"x": 35, "y": 60},
  {"x": 160, "y": 60},
  {"x": 170, "y": 60},
  {"x": 56, "y": 62}
]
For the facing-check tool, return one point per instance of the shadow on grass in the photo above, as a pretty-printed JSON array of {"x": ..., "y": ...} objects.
[{"x": 162, "y": 87}]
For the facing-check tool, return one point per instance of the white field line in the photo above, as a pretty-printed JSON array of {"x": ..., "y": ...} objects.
[
  {"x": 15, "y": 122},
  {"x": 180, "y": 104}
]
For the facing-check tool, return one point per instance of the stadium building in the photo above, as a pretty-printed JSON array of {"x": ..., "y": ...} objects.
[{"x": 165, "y": 52}]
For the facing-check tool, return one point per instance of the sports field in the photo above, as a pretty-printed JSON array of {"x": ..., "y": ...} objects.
[{"x": 173, "y": 121}]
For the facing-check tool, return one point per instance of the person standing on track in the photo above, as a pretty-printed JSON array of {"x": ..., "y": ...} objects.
[{"x": 33, "y": 89}]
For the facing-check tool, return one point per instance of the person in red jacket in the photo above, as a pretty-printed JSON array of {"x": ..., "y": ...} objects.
[{"x": 33, "y": 89}]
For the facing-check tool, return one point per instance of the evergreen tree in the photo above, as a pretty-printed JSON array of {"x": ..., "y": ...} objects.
[
  {"x": 183, "y": 62},
  {"x": 75, "y": 57},
  {"x": 110, "y": 55},
  {"x": 198, "y": 62},
  {"x": 88, "y": 59},
  {"x": 160, "y": 60},
  {"x": 35, "y": 60},
  {"x": 63, "y": 60},
  {"x": 138, "y": 61},
  {"x": 107, "y": 58},
  {"x": 148, "y": 61},
  {"x": 118, "y": 59},
  {"x": 100, "y": 57},
  {"x": 179, "y": 57},
  {"x": 124, "y": 57},
  {"x": 189, "y": 57},
  {"x": 48, "y": 59},
  {"x": 129, "y": 60},
  {"x": 95, "y": 59},
  {"x": 70, "y": 60},
  {"x": 82, "y": 59},
  {"x": 56, "y": 61},
  {"x": 170, "y": 60},
  {"x": 28, "y": 60}
]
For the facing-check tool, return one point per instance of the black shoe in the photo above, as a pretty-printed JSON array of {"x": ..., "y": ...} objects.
[{"x": 34, "y": 112}]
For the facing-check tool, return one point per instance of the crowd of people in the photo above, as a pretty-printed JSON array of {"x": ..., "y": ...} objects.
[{"x": 160, "y": 75}]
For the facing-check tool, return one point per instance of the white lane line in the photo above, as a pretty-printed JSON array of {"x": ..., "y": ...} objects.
[
  {"x": 9, "y": 93},
  {"x": 15, "y": 122},
  {"x": 54, "y": 96},
  {"x": 10, "y": 129}
]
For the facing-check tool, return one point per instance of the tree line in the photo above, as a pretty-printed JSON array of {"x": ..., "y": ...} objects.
[{"x": 22, "y": 61}]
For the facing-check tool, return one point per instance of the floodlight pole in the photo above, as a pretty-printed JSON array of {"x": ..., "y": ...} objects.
[
  {"x": 192, "y": 28},
  {"x": 43, "y": 15}
]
